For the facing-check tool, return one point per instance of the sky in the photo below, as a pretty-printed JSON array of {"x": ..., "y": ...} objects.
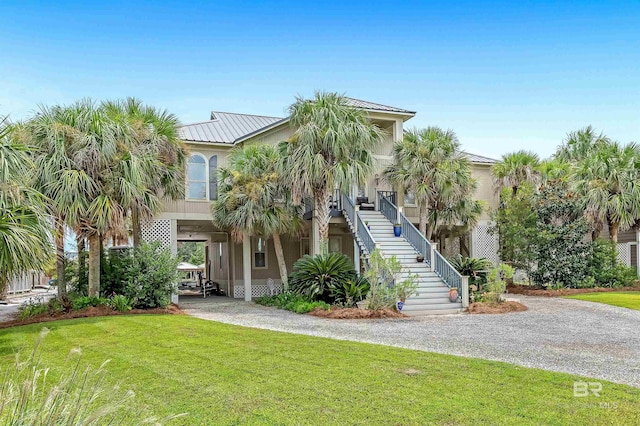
[{"x": 503, "y": 75}]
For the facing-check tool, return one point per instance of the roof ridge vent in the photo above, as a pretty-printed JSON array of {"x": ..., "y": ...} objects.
[{"x": 213, "y": 116}]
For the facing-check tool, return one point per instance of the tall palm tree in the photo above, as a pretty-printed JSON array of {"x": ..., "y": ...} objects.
[
  {"x": 516, "y": 169},
  {"x": 331, "y": 147},
  {"x": 428, "y": 163},
  {"x": 54, "y": 136},
  {"x": 608, "y": 179},
  {"x": 253, "y": 199},
  {"x": 152, "y": 137},
  {"x": 579, "y": 144},
  {"x": 24, "y": 230}
]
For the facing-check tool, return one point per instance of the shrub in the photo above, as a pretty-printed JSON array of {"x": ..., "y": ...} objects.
[
  {"x": 291, "y": 302},
  {"x": 603, "y": 266},
  {"x": 497, "y": 283},
  {"x": 475, "y": 268},
  {"x": 153, "y": 277},
  {"x": 32, "y": 309},
  {"x": 385, "y": 287},
  {"x": 116, "y": 268},
  {"x": 316, "y": 276},
  {"x": 85, "y": 302},
  {"x": 120, "y": 303}
]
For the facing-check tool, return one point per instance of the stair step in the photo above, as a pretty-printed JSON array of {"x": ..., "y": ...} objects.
[
  {"x": 408, "y": 306},
  {"x": 425, "y": 313}
]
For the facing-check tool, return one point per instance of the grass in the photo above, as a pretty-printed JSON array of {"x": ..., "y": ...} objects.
[
  {"x": 624, "y": 299},
  {"x": 230, "y": 375}
]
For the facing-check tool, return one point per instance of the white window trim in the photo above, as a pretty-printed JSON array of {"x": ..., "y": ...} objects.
[
  {"x": 253, "y": 253},
  {"x": 206, "y": 181}
]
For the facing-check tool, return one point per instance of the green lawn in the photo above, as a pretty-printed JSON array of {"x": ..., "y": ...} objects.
[
  {"x": 224, "y": 374},
  {"x": 624, "y": 299}
]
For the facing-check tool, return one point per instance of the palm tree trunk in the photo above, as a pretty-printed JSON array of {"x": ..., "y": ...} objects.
[
  {"x": 94, "y": 264},
  {"x": 422, "y": 212},
  {"x": 135, "y": 226},
  {"x": 60, "y": 261},
  {"x": 4, "y": 287},
  {"x": 321, "y": 215},
  {"x": 277, "y": 245},
  {"x": 614, "y": 228}
]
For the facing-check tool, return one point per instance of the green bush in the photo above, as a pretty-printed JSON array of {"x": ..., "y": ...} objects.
[
  {"x": 316, "y": 276},
  {"x": 348, "y": 293},
  {"x": 604, "y": 268},
  {"x": 153, "y": 277},
  {"x": 292, "y": 302},
  {"x": 32, "y": 309},
  {"x": 116, "y": 268},
  {"x": 386, "y": 289},
  {"x": 85, "y": 302}
]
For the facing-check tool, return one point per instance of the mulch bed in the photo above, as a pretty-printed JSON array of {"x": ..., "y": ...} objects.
[
  {"x": 356, "y": 313},
  {"x": 496, "y": 308},
  {"x": 100, "y": 311},
  {"x": 529, "y": 291}
]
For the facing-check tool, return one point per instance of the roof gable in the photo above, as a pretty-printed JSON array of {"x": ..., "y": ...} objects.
[{"x": 225, "y": 127}]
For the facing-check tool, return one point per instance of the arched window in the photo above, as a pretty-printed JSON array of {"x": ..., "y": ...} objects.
[
  {"x": 197, "y": 178},
  {"x": 213, "y": 177}
]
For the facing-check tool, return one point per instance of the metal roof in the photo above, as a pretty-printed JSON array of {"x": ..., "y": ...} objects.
[
  {"x": 358, "y": 103},
  {"x": 478, "y": 158},
  {"x": 225, "y": 127}
]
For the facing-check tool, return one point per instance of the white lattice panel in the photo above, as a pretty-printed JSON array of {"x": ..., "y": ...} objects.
[
  {"x": 257, "y": 290},
  {"x": 484, "y": 244},
  {"x": 157, "y": 230},
  {"x": 624, "y": 254}
]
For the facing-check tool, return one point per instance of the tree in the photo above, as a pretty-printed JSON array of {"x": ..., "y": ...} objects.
[
  {"x": 607, "y": 179},
  {"x": 152, "y": 137},
  {"x": 579, "y": 144},
  {"x": 253, "y": 199},
  {"x": 24, "y": 230},
  {"x": 429, "y": 163},
  {"x": 331, "y": 147},
  {"x": 516, "y": 169}
]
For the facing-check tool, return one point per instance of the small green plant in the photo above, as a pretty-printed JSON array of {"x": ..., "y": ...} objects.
[
  {"x": 497, "y": 283},
  {"x": 85, "y": 302},
  {"x": 348, "y": 293},
  {"x": 120, "y": 303},
  {"x": 385, "y": 286},
  {"x": 316, "y": 276},
  {"x": 292, "y": 302},
  {"x": 32, "y": 309}
]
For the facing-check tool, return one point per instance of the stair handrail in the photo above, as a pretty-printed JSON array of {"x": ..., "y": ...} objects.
[
  {"x": 409, "y": 231},
  {"x": 448, "y": 274},
  {"x": 359, "y": 228}
]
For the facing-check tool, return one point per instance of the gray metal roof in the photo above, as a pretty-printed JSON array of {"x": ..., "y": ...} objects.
[
  {"x": 374, "y": 106},
  {"x": 478, "y": 158},
  {"x": 225, "y": 127}
]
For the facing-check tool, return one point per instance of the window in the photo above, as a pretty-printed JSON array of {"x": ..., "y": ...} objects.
[
  {"x": 213, "y": 177},
  {"x": 335, "y": 244},
  {"x": 409, "y": 198},
  {"x": 197, "y": 178},
  {"x": 259, "y": 253},
  {"x": 305, "y": 246}
]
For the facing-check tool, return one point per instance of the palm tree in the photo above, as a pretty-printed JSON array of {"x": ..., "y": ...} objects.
[
  {"x": 24, "y": 230},
  {"x": 252, "y": 199},
  {"x": 579, "y": 144},
  {"x": 331, "y": 148},
  {"x": 608, "y": 179},
  {"x": 515, "y": 169},
  {"x": 429, "y": 163},
  {"x": 151, "y": 136}
]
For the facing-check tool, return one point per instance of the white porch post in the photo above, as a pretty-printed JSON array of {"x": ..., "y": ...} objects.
[
  {"x": 246, "y": 265},
  {"x": 356, "y": 256},
  {"x": 315, "y": 237},
  {"x": 174, "y": 252}
]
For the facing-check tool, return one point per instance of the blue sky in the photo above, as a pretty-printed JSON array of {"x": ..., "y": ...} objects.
[{"x": 504, "y": 76}]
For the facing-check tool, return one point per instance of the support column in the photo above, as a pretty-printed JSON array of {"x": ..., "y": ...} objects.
[
  {"x": 465, "y": 291},
  {"x": 356, "y": 256},
  {"x": 434, "y": 247},
  {"x": 174, "y": 252},
  {"x": 315, "y": 237},
  {"x": 246, "y": 265},
  {"x": 638, "y": 252}
]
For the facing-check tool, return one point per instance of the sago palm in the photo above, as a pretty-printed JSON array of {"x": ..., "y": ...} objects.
[
  {"x": 516, "y": 169},
  {"x": 253, "y": 199},
  {"x": 332, "y": 147},
  {"x": 24, "y": 230}
]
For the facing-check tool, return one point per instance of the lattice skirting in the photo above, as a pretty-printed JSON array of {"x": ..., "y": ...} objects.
[
  {"x": 484, "y": 244},
  {"x": 624, "y": 253},
  {"x": 257, "y": 290},
  {"x": 157, "y": 230}
]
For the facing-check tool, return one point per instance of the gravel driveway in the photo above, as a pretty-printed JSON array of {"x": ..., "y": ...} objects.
[{"x": 572, "y": 336}]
